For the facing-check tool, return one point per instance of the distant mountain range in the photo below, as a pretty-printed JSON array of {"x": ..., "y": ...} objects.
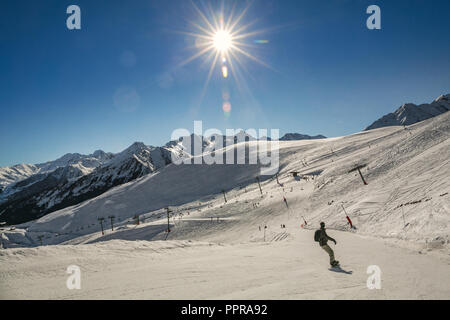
[
  {"x": 410, "y": 113},
  {"x": 30, "y": 191},
  {"x": 84, "y": 163},
  {"x": 36, "y": 190}
]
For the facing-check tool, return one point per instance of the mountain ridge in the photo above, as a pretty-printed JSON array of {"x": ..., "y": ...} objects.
[{"x": 409, "y": 113}]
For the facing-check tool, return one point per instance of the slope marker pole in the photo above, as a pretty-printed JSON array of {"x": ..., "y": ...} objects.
[{"x": 348, "y": 219}]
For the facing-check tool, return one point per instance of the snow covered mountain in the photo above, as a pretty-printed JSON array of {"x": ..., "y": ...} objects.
[
  {"x": 74, "y": 178},
  {"x": 184, "y": 147},
  {"x": 404, "y": 171},
  {"x": 410, "y": 113},
  {"x": 36, "y": 190},
  {"x": 85, "y": 163},
  {"x": 298, "y": 136},
  {"x": 16, "y": 173},
  {"x": 71, "y": 166},
  {"x": 31, "y": 191}
]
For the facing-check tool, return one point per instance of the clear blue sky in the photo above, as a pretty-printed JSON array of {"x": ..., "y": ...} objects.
[{"x": 115, "y": 81}]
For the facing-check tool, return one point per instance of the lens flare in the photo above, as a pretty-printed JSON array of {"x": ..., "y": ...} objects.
[
  {"x": 226, "y": 107},
  {"x": 225, "y": 72}
]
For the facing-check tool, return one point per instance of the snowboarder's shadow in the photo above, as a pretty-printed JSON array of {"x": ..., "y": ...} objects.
[{"x": 340, "y": 270}]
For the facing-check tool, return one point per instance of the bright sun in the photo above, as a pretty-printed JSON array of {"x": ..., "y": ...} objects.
[{"x": 222, "y": 41}]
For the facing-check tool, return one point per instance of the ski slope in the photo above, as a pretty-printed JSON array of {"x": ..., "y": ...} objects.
[
  {"x": 293, "y": 268},
  {"x": 218, "y": 250}
]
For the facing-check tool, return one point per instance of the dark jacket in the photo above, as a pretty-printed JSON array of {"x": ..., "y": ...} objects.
[{"x": 323, "y": 239}]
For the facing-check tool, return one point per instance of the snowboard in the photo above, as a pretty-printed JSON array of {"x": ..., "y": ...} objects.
[{"x": 337, "y": 268}]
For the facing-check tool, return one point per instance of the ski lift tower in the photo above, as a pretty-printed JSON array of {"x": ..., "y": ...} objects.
[
  {"x": 358, "y": 168},
  {"x": 112, "y": 222},
  {"x": 224, "y": 197},
  {"x": 101, "y": 219},
  {"x": 259, "y": 185},
  {"x": 168, "y": 219}
]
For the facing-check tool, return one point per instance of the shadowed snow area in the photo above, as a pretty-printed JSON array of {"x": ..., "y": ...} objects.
[{"x": 218, "y": 250}]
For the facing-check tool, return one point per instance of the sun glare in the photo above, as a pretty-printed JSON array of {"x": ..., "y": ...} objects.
[{"x": 222, "y": 41}]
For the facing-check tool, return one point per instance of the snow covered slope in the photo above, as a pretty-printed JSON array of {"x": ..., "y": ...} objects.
[
  {"x": 222, "y": 250},
  {"x": 406, "y": 196},
  {"x": 294, "y": 268},
  {"x": 410, "y": 113}
]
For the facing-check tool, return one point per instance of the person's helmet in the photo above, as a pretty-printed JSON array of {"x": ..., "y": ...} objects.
[{"x": 322, "y": 224}]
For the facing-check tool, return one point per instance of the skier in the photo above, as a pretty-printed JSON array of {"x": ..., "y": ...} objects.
[{"x": 322, "y": 237}]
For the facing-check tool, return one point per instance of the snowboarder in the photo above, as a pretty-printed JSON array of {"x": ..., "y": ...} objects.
[{"x": 322, "y": 237}]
